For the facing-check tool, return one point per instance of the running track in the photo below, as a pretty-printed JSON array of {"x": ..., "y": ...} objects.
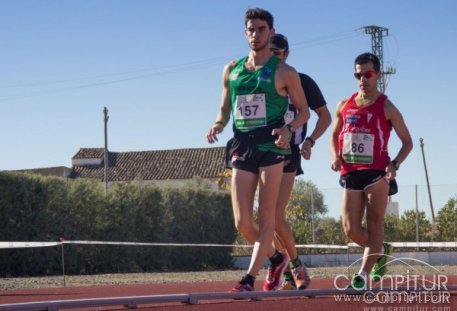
[{"x": 328, "y": 302}]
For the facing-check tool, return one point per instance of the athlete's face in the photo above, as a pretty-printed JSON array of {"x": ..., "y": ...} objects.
[
  {"x": 281, "y": 54},
  {"x": 367, "y": 77},
  {"x": 258, "y": 34}
]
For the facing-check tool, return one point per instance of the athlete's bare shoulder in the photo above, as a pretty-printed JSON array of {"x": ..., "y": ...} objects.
[
  {"x": 286, "y": 68},
  {"x": 390, "y": 110},
  {"x": 228, "y": 67},
  {"x": 342, "y": 103},
  {"x": 388, "y": 104}
]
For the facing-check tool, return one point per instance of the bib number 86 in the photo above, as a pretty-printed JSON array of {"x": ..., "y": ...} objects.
[{"x": 357, "y": 148}]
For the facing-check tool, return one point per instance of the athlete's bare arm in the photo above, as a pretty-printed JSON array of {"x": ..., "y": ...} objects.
[
  {"x": 223, "y": 116},
  {"x": 337, "y": 125},
  {"x": 288, "y": 83},
  {"x": 324, "y": 120},
  {"x": 399, "y": 125}
]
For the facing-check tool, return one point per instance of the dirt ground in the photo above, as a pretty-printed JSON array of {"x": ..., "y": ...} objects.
[{"x": 173, "y": 277}]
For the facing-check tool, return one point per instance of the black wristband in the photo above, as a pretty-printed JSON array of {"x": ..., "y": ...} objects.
[
  {"x": 395, "y": 164},
  {"x": 311, "y": 141}
]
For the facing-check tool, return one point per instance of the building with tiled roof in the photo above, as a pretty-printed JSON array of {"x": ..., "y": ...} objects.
[{"x": 160, "y": 165}]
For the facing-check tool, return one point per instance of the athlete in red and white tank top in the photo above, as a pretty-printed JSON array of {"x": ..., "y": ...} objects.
[{"x": 364, "y": 136}]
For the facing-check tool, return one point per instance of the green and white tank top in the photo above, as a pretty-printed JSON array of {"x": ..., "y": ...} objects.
[{"x": 254, "y": 100}]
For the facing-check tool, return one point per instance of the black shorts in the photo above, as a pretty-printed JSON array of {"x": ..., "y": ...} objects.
[
  {"x": 246, "y": 156},
  {"x": 360, "y": 180},
  {"x": 228, "y": 154},
  {"x": 295, "y": 161}
]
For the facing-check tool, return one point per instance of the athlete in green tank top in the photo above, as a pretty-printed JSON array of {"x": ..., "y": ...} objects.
[{"x": 254, "y": 100}]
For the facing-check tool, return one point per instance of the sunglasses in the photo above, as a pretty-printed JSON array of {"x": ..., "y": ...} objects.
[{"x": 367, "y": 75}]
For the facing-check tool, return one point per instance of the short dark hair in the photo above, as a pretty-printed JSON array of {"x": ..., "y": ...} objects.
[
  {"x": 258, "y": 13},
  {"x": 366, "y": 58}
]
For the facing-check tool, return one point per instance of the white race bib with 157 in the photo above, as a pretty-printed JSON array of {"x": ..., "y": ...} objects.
[{"x": 251, "y": 111}]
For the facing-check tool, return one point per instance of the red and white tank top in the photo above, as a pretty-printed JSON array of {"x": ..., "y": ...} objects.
[{"x": 364, "y": 136}]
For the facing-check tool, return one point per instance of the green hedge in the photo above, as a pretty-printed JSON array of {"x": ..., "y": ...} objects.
[{"x": 36, "y": 208}]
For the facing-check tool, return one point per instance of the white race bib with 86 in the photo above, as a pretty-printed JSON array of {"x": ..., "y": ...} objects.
[{"x": 358, "y": 148}]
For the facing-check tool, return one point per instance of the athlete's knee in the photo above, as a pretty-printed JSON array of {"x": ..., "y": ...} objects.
[
  {"x": 244, "y": 227},
  {"x": 352, "y": 231}
]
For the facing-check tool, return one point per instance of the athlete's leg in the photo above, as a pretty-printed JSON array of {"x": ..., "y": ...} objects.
[
  {"x": 353, "y": 210},
  {"x": 376, "y": 200},
  {"x": 244, "y": 185},
  {"x": 269, "y": 183},
  {"x": 283, "y": 230}
]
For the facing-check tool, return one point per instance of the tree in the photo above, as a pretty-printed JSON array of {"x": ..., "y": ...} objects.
[
  {"x": 224, "y": 180},
  {"x": 408, "y": 226},
  {"x": 392, "y": 228},
  {"x": 330, "y": 231},
  {"x": 305, "y": 197},
  {"x": 446, "y": 220}
]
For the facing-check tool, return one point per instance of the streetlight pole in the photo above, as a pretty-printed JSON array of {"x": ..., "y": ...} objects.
[{"x": 421, "y": 140}]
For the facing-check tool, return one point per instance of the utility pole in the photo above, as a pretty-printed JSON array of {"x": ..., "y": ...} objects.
[
  {"x": 421, "y": 140},
  {"x": 377, "y": 49},
  {"x": 105, "y": 153}
]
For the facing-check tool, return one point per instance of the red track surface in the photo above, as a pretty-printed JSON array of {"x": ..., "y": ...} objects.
[{"x": 282, "y": 304}]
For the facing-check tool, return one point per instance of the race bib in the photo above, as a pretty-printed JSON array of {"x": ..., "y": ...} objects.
[
  {"x": 358, "y": 148},
  {"x": 250, "y": 111}
]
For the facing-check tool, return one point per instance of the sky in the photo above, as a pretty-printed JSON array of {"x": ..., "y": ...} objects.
[{"x": 157, "y": 66}]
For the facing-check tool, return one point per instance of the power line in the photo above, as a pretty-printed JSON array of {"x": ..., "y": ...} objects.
[
  {"x": 148, "y": 72},
  {"x": 325, "y": 39},
  {"x": 167, "y": 70},
  {"x": 107, "y": 79}
]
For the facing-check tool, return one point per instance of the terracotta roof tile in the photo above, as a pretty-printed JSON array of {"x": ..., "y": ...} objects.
[
  {"x": 153, "y": 165},
  {"x": 89, "y": 153}
]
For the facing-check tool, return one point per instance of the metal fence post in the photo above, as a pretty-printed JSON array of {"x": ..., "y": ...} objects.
[{"x": 63, "y": 261}]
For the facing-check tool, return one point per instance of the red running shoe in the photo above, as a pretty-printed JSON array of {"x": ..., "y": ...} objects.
[{"x": 274, "y": 274}]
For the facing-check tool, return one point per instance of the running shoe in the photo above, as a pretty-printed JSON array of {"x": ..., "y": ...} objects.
[
  {"x": 358, "y": 282},
  {"x": 241, "y": 287},
  {"x": 380, "y": 267},
  {"x": 288, "y": 285},
  {"x": 274, "y": 274},
  {"x": 301, "y": 277}
]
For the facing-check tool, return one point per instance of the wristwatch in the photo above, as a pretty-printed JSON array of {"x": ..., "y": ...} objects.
[
  {"x": 311, "y": 141},
  {"x": 395, "y": 164}
]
